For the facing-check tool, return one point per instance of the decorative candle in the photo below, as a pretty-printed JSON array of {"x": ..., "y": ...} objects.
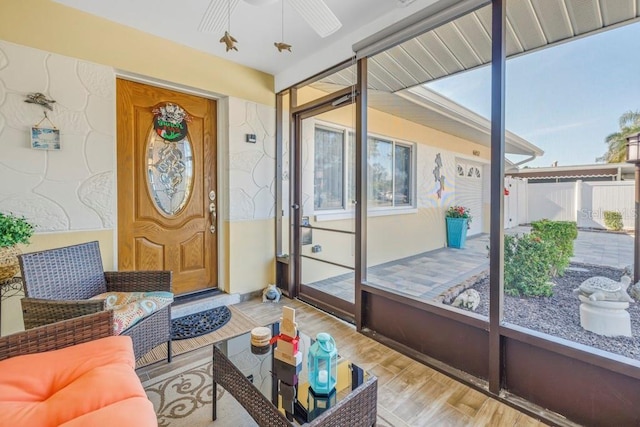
[{"x": 323, "y": 376}]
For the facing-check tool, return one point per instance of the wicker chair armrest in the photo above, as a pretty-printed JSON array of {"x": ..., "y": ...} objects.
[
  {"x": 358, "y": 409},
  {"x": 38, "y": 312},
  {"x": 138, "y": 281},
  {"x": 58, "y": 335}
]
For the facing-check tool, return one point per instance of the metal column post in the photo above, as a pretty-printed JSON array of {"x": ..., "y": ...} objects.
[
  {"x": 636, "y": 241},
  {"x": 496, "y": 240}
]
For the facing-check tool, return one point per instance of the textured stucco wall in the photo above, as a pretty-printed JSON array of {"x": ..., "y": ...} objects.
[
  {"x": 251, "y": 166},
  {"x": 74, "y": 188},
  {"x": 250, "y": 211},
  {"x": 69, "y": 195}
]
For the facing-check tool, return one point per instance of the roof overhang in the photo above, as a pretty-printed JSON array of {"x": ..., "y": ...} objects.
[
  {"x": 428, "y": 108},
  {"x": 396, "y": 76},
  {"x": 601, "y": 170},
  {"x": 465, "y": 43}
]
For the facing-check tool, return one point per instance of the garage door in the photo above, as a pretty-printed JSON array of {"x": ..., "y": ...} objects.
[{"x": 469, "y": 191}]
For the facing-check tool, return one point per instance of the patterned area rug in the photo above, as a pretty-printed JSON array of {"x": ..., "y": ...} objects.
[
  {"x": 183, "y": 397},
  {"x": 204, "y": 322},
  {"x": 239, "y": 324}
]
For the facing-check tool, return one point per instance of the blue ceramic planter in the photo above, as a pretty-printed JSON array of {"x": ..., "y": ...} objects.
[{"x": 456, "y": 232}]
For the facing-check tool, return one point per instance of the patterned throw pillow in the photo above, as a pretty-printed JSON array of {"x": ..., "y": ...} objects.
[{"x": 131, "y": 307}]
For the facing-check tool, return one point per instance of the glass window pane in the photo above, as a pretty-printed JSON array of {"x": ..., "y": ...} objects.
[
  {"x": 402, "y": 175},
  {"x": 329, "y": 169},
  {"x": 380, "y": 163},
  {"x": 169, "y": 172}
]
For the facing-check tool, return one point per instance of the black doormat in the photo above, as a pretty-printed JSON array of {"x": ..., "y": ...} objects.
[{"x": 201, "y": 323}]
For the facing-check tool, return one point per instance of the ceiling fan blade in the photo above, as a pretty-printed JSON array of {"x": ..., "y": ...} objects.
[
  {"x": 318, "y": 16},
  {"x": 260, "y": 2},
  {"x": 215, "y": 17}
]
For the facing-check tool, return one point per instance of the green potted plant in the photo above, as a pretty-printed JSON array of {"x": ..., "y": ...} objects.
[
  {"x": 13, "y": 231},
  {"x": 458, "y": 220}
]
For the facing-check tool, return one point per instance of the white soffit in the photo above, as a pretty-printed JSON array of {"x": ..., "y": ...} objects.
[{"x": 428, "y": 108}]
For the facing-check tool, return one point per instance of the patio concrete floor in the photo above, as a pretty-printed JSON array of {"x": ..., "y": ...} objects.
[{"x": 425, "y": 276}]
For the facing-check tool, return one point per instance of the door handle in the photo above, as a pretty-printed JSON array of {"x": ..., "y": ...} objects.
[{"x": 214, "y": 216}]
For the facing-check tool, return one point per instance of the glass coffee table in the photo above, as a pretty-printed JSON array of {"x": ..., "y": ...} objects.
[{"x": 274, "y": 394}]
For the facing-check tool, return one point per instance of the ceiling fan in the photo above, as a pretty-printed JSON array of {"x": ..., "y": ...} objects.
[{"x": 315, "y": 12}]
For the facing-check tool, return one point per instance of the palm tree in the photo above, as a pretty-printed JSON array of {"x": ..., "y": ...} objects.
[{"x": 629, "y": 124}]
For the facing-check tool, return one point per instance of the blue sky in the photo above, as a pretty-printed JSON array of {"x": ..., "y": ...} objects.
[{"x": 565, "y": 99}]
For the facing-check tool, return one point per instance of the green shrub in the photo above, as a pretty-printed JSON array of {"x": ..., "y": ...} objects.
[
  {"x": 613, "y": 220},
  {"x": 14, "y": 230},
  {"x": 528, "y": 261},
  {"x": 561, "y": 234}
]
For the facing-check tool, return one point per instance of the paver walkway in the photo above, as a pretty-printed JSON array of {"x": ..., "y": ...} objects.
[
  {"x": 425, "y": 276},
  {"x": 601, "y": 248}
]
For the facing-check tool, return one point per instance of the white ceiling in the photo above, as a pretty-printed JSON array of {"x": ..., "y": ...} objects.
[{"x": 256, "y": 28}]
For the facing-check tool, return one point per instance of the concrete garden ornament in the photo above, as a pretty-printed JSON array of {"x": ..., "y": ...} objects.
[
  {"x": 604, "y": 289},
  {"x": 603, "y": 308},
  {"x": 469, "y": 299},
  {"x": 271, "y": 293}
]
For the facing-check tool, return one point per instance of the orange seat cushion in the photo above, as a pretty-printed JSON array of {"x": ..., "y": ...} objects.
[{"x": 87, "y": 384}]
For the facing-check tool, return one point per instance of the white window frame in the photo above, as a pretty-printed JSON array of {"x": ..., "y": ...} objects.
[
  {"x": 412, "y": 181},
  {"x": 348, "y": 211},
  {"x": 345, "y": 143}
]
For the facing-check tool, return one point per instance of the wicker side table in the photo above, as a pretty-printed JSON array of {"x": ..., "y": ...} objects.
[
  {"x": 9, "y": 288},
  {"x": 357, "y": 407}
]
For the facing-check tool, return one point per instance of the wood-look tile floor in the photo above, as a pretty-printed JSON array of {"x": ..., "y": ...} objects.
[{"x": 409, "y": 393}]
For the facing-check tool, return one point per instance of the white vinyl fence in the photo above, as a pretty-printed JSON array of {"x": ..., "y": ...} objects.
[
  {"x": 583, "y": 202},
  {"x": 515, "y": 203}
]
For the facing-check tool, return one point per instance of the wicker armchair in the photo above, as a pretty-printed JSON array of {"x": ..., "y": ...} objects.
[
  {"x": 57, "y": 335},
  {"x": 59, "y": 282}
]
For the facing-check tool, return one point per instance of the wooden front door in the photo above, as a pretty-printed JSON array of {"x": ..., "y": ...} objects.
[{"x": 167, "y": 191}]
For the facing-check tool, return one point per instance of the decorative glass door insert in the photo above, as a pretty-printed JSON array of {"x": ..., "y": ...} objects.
[{"x": 169, "y": 172}]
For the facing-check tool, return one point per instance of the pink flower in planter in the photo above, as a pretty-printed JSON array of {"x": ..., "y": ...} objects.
[{"x": 459, "y": 212}]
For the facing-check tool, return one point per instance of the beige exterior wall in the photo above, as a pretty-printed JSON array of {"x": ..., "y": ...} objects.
[
  {"x": 50, "y": 26},
  {"x": 11, "y": 310},
  {"x": 105, "y": 238},
  {"x": 249, "y": 200},
  {"x": 251, "y": 250}
]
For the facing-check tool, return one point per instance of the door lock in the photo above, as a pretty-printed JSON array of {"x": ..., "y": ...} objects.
[{"x": 214, "y": 216}]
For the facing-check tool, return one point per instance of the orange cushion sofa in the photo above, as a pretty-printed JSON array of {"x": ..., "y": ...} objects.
[{"x": 72, "y": 373}]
